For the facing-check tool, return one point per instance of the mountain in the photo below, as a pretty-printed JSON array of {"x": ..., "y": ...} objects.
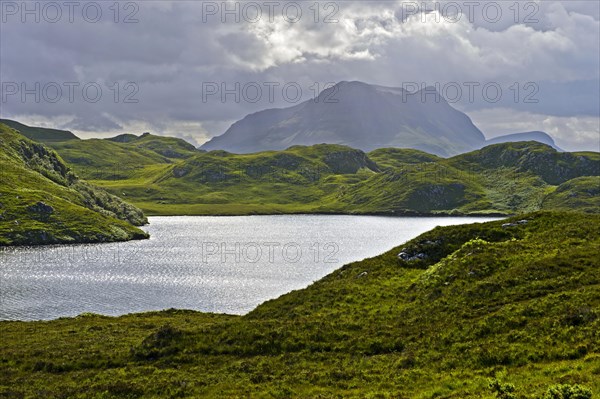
[
  {"x": 505, "y": 309},
  {"x": 40, "y": 134},
  {"x": 43, "y": 202},
  {"x": 358, "y": 115},
  {"x": 538, "y": 136}
]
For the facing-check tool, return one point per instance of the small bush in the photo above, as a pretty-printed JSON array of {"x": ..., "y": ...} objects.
[
  {"x": 502, "y": 391},
  {"x": 567, "y": 392}
]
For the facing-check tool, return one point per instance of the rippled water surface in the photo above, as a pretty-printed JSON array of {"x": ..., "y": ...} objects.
[{"x": 213, "y": 264}]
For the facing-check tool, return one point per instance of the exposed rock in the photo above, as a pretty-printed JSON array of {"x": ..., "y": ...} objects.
[
  {"x": 523, "y": 221},
  {"x": 41, "y": 208},
  {"x": 169, "y": 153},
  {"x": 180, "y": 172},
  {"x": 405, "y": 256},
  {"x": 349, "y": 162}
]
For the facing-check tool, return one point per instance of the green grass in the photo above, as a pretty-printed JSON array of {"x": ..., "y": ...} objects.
[
  {"x": 168, "y": 176},
  {"x": 31, "y": 174},
  {"x": 582, "y": 193},
  {"x": 40, "y": 134},
  {"x": 499, "y": 179},
  {"x": 518, "y": 303}
]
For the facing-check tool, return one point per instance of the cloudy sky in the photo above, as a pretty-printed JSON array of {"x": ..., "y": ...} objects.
[{"x": 191, "y": 68}]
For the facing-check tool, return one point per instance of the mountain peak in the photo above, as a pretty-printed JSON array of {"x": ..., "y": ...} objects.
[{"x": 359, "y": 115}]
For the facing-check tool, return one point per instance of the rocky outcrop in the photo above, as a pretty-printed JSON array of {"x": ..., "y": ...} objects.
[{"x": 348, "y": 162}]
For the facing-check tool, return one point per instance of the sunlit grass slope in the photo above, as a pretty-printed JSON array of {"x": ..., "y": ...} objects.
[
  {"x": 519, "y": 303},
  {"x": 43, "y": 202},
  {"x": 499, "y": 179}
]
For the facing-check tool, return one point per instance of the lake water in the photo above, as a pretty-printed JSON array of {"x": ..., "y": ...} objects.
[{"x": 212, "y": 264}]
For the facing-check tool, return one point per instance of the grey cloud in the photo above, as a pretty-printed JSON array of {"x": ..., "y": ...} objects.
[
  {"x": 171, "y": 53},
  {"x": 93, "y": 123}
]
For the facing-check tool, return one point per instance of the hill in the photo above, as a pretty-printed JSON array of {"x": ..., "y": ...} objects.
[
  {"x": 540, "y": 137},
  {"x": 499, "y": 179},
  {"x": 168, "y": 176},
  {"x": 581, "y": 193},
  {"x": 40, "y": 134},
  {"x": 169, "y": 147},
  {"x": 43, "y": 202},
  {"x": 123, "y": 156},
  {"x": 516, "y": 302},
  {"x": 358, "y": 115}
]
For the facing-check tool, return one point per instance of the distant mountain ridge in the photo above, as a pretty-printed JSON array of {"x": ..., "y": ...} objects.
[
  {"x": 361, "y": 116},
  {"x": 538, "y": 136}
]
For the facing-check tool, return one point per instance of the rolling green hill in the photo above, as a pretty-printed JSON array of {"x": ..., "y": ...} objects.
[
  {"x": 582, "y": 193},
  {"x": 43, "y": 202},
  {"x": 168, "y": 147},
  {"x": 168, "y": 176},
  {"x": 499, "y": 179},
  {"x": 40, "y": 134},
  {"x": 505, "y": 309},
  {"x": 123, "y": 156}
]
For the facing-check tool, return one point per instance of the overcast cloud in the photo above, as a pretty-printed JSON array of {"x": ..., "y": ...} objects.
[{"x": 543, "y": 55}]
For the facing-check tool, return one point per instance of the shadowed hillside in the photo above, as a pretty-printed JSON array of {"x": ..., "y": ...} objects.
[
  {"x": 40, "y": 134},
  {"x": 358, "y": 115}
]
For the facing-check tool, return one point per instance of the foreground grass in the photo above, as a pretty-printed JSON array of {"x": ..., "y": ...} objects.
[{"x": 520, "y": 303}]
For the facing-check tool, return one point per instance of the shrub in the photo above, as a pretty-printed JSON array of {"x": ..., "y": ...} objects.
[
  {"x": 567, "y": 392},
  {"x": 502, "y": 391}
]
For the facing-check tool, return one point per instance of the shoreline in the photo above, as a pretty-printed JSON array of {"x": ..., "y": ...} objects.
[
  {"x": 326, "y": 213},
  {"x": 381, "y": 214},
  {"x": 171, "y": 310}
]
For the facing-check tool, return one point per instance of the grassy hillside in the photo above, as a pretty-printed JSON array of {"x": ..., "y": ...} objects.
[
  {"x": 581, "y": 193},
  {"x": 168, "y": 147},
  {"x": 43, "y": 202},
  {"x": 499, "y": 179},
  {"x": 514, "y": 301},
  {"x": 168, "y": 176},
  {"x": 40, "y": 134},
  {"x": 124, "y": 156}
]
